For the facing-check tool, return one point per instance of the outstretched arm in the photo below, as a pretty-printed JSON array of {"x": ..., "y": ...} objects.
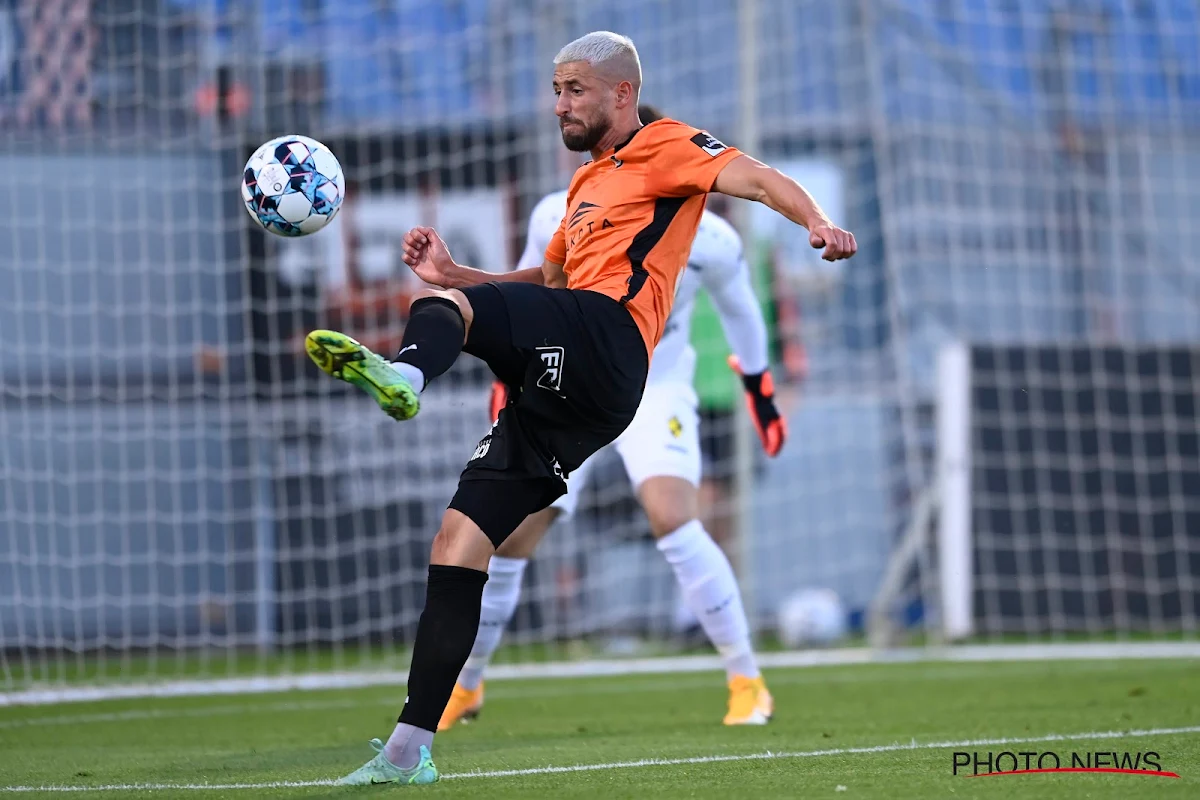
[
  {"x": 727, "y": 279},
  {"x": 750, "y": 179},
  {"x": 741, "y": 316},
  {"x": 426, "y": 254}
]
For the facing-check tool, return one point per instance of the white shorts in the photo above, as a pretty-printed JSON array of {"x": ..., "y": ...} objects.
[{"x": 662, "y": 440}]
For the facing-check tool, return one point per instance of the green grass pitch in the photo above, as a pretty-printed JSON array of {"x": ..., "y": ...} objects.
[{"x": 877, "y": 731}]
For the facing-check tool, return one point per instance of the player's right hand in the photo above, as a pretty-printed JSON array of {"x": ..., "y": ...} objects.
[
  {"x": 427, "y": 255},
  {"x": 838, "y": 243},
  {"x": 498, "y": 400}
]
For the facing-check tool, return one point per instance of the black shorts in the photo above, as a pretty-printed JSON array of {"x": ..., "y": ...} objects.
[
  {"x": 718, "y": 446},
  {"x": 717, "y": 443},
  {"x": 576, "y": 366}
]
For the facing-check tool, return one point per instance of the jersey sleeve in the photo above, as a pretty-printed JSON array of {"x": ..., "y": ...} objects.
[
  {"x": 726, "y": 277},
  {"x": 544, "y": 222},
  {"x": 688, "y": 160}
]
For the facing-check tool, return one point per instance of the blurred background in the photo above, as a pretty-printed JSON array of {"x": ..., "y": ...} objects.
[{"x": 992, "y": 407}]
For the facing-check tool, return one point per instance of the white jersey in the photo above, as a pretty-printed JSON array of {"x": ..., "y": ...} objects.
[{"x": 716, "y": 264}]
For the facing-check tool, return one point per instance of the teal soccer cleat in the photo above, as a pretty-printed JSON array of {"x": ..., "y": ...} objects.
[
  {"x": 345, "y": 359},
  {"x": 380, "y": 770}
]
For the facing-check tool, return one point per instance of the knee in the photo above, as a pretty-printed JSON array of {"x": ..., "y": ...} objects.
[
  {"x": 444, "y": 542},
  {"x": 452, "y": 295},
  {"x": 667, "y": 519},
  {"x": 460, "y": 543},
  {"x": 669, "y": 502}
]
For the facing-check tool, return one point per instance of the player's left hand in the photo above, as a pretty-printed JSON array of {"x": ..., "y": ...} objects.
[
  {"x": 427, "y": 255},
  {"x": 760, "y": 399},
  {"x": 838, "y": 243}
]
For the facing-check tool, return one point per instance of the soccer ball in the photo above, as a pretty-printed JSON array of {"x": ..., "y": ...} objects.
[
  {"x": 293, "y": 185},
  {"x": 811, "y": 617}
]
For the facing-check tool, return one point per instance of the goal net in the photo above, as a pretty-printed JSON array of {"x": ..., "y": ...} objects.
[
  {"x": 183, "y": 495},
  {"x": 1079, "y": 482}
]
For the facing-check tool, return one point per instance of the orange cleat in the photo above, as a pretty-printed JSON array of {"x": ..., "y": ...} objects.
[
  {"x": 749, "y": 702},
  {"x": 464, "y": 706}
]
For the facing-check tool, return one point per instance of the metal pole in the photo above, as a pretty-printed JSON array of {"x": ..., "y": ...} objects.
[
  {"x": 265, "y": 592},
  {"x": 743, "y": 432}
]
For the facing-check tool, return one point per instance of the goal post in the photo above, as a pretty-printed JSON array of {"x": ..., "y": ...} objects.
[
  {"x": 743, "y": 432},
  {"x": 953, "y": 491}
]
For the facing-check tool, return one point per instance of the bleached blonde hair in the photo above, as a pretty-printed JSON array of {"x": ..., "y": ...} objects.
[{"x": 607, "y": 52}]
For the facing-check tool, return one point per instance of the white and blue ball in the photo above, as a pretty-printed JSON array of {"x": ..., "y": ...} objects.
[
  {"x": 811, "y": 618},
  {"x": 293, "y": 185}
]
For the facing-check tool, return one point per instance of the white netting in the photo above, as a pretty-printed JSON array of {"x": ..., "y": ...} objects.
[
  {"x": 1035, "y": 206},
  {"x": 182, "y": 492}
]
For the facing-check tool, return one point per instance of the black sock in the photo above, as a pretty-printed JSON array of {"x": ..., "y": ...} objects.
[
  {"x": 433, "y": 337},
  {"x": 445, "y": 636}
]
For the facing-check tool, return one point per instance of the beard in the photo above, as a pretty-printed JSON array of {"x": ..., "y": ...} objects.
[{"x": 584, "y": 140}]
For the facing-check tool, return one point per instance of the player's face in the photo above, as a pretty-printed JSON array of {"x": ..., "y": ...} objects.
[{"x": 584, "y": 105}]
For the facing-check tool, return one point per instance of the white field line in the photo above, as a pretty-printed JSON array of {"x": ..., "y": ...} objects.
[
  {"x": 649, "y": 762},
  {"x": 142, "y": 714},
  {"x": 47, "y": 716},
  {"x": 602, "y": 667}
]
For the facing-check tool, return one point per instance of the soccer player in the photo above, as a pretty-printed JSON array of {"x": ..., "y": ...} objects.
[
  {"x": 661, "y": 453},
  {"x": 575, "y": 334}
]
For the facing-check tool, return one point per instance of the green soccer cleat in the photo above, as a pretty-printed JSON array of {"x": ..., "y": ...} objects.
[
  {"x": 380, "y": 770},
  {"x": 345, "y": 359}
]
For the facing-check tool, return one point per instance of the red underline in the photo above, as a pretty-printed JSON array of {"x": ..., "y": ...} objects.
[{"x": 1154, "y": 773}]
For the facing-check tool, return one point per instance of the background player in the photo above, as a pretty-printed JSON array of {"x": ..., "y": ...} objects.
[
  {"x": 661, "y": 453},
  {"x": 581, "y": 356}
]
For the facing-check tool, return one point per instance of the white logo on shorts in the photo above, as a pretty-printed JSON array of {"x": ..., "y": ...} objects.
[
  {"x": 552, "y": 357},
  {"x": 485, "y": 443}
]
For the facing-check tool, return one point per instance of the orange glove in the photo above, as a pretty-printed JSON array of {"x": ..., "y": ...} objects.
[
  {"x": 760, "y": 399},
  {"x": 499, "y": 399}
]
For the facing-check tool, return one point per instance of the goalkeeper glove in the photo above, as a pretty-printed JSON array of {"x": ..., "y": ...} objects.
[{"x": 760, "y": 399}]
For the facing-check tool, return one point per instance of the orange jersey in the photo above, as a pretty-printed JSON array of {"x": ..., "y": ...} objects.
[{"x": 632, "y": 215}]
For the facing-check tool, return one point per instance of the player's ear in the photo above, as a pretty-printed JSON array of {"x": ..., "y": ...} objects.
[{"x": 625, "y": 94}]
